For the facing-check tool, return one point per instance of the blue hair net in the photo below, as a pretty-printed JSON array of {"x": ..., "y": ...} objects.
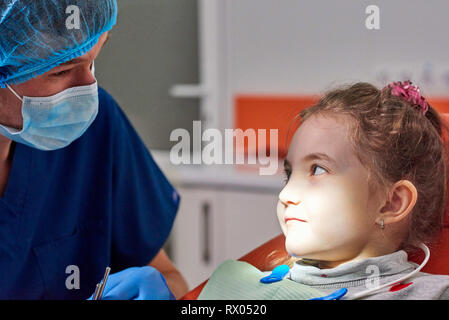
[{"x": 38, "y": 35}]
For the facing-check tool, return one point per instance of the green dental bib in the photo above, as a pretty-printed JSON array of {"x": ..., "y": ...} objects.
[{"x": 237, "y": 280}]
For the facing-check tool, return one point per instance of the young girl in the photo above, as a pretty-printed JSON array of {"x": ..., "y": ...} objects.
[{"x": 367, "y": 178}]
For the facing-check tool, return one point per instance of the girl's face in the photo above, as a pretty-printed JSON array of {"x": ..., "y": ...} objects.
[{"x": 325, "y": 210}]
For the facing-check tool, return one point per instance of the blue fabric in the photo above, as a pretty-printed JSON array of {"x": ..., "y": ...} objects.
[
  {"x": 101, "y": 201},
  {"x": 36, "y": 36}
]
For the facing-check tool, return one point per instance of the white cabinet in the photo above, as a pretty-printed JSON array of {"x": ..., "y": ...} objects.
[
  {"x": 215, "y": 223},
  {"x": 224, "y": 213}
]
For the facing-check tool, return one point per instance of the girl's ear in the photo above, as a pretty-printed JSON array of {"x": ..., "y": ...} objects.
[{"x": 402, "y": 199}]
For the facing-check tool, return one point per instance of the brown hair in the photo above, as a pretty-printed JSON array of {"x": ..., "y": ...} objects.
[{"x": 395, "y": 141}]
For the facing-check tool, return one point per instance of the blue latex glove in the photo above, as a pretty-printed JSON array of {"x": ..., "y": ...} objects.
[{"x": 136, "y": 283}]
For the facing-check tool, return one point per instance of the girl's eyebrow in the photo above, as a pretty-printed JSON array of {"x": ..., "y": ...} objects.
[
  {"x": 311, "y": 157},
  {"x": 319, "y": 156}
]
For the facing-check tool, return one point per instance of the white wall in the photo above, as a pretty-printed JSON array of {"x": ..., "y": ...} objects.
[{"x": 294, "y": 46}]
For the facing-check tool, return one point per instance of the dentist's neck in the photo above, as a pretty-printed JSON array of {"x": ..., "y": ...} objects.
[
  {"x": 5, "y": 149},
  {"x": 6, "y": 156}
]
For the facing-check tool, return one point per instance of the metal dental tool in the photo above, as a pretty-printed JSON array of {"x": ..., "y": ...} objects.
[{"x": 100, "y": 286}]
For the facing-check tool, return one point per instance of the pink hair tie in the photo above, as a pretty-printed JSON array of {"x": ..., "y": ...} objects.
[{"x": 410, "y": 93}]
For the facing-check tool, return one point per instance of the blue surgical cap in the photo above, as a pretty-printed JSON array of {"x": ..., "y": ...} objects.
[{"x": 38, "y": 35}]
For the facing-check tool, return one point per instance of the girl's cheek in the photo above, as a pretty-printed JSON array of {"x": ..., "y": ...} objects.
[
  {"x": 280, "y": 214},
  {"x": 339, "y": 218},
  {"x": 318, "y": 205},
  {"x": 330, "y": 207}
]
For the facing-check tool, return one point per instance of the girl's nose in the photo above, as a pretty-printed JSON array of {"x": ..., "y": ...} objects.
[{"x": 289, "y": 197}]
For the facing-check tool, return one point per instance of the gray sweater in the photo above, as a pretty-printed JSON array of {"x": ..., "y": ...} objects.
[{"x": 364, "y": 274}]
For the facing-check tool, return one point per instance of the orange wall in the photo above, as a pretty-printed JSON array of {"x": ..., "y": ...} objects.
[{"x": 279, "y": 111}]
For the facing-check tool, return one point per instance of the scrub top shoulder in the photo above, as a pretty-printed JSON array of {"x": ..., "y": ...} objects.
[{"x": 68, "y": 214}]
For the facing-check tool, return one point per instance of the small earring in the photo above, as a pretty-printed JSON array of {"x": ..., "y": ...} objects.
[{"x": 382, "y": 224}]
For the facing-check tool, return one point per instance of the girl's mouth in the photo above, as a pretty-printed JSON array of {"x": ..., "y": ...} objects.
[{"x": 297, "y": 219}]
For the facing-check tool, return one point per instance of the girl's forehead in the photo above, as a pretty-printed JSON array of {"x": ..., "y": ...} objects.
[{"x": 324, "y": 135}]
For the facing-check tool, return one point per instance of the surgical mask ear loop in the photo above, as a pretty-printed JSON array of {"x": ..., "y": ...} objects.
[
  {"x": 92, "y": 69},
  {"x": 15, "y": 93}
]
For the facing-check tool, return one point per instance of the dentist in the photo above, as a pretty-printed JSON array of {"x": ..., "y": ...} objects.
[{"x": 79, "y": 191}]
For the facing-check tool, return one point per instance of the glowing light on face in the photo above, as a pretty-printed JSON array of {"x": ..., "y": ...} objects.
[{"x": 325, "y": 210}]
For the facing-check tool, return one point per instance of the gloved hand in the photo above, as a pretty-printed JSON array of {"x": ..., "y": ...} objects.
[{"x": 136, "y": 283}]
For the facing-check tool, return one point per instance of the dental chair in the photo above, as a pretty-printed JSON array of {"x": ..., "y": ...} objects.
[{"x": 437, "y": 264}]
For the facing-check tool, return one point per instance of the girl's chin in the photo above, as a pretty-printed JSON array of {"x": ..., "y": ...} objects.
[
  {"x": 295, "y": 247},
  {"x": 301, "y": 247}
]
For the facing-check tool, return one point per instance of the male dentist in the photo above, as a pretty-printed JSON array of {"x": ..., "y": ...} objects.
[{"x": 79, "y": 190}]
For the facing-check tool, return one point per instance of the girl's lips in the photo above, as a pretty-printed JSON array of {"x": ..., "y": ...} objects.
[{"x": 297, "y": 219}]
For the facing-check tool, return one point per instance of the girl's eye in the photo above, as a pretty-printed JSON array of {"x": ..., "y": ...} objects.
[
  {"x": 316, "y": 170},
  {"x": 320, "y": 169}
]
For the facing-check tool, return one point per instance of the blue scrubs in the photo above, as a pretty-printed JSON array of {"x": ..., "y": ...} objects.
[{"x": 102, "y": 201}]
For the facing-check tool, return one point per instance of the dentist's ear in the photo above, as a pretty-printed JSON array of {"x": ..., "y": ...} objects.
[{"x": 400, "y": 202}]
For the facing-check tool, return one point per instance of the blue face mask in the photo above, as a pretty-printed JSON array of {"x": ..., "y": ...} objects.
[{"x": 51, "y": 123}]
